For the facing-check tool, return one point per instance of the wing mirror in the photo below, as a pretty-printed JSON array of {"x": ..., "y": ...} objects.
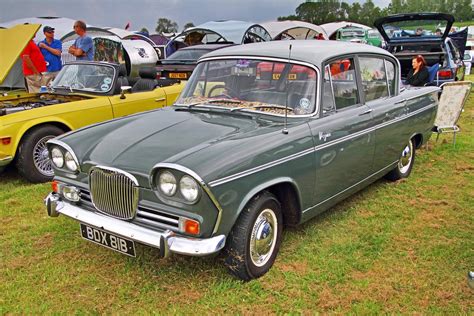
[{"x": 124, "y": 89}]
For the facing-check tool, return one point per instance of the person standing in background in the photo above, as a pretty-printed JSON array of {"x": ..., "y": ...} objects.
[
  {"x": 83, "y": 47},
  {"x": 51, "y": 49},
  {"x": 33, "y": 67}
]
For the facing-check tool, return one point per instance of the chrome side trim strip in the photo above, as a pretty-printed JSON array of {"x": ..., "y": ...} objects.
[
  {"x": 313, "y": 149},
  {"x": 259, "y": 168},
  {"x": 373, "y": 174},
  {"x": 203, "y": 184}
]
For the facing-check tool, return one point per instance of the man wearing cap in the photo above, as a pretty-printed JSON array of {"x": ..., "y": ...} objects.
[
  {"x": 51, "y": 49},
  {"x": 83, "y": 47}
]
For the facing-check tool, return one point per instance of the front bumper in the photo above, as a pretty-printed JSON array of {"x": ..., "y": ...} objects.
[{"x": 167, "y": 241}]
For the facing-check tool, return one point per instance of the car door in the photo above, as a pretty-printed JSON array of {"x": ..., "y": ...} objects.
[
  {"x": 135, "y": 102},
  {"x": 388, "y": 109},
  {"x": 344, "y": 144}
]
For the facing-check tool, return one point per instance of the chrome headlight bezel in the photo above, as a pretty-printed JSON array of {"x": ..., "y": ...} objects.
[
  {"x": 179, "y": 193},
  {"x": 73, "y": 167}
]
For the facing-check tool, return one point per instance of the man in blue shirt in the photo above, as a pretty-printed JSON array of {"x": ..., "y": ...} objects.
[
  {"x": 83, "y": 47},
  {"x": 51, "y": 49}
]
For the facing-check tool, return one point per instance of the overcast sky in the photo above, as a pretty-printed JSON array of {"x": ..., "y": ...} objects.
[{"x": 145, "y": 13}]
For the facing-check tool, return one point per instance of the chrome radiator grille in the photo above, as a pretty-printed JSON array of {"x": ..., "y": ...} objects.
[{"x": 114, "y": 192}]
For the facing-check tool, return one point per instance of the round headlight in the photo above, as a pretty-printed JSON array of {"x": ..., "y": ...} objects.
[
  {"x": 189, "y": 188},
  {"x": 57, "y": 157},
  {"x": 167, "y": 183},
  {"x": 70, "y": 162}
]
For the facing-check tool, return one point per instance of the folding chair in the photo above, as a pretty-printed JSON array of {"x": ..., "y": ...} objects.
[{"x": 450, "y": 106}]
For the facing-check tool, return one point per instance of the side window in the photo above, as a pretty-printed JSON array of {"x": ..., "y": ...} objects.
[
  {"x": 328, "y": 97},
  {"x": 456, "y": 54},
  {"x": 374, "y": 78},
  {"x": 343, "y": 83},
  {"x": 391, "y": 78}
]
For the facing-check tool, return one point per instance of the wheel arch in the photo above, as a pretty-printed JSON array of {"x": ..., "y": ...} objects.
[
  {"x": 34, "y": 125},
  {"x": 286, "y": 191},
  {"x": 418, "y": 140}
]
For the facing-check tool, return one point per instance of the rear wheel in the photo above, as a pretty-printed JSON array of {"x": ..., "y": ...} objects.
[
  {"x": 253, "y": 243},
  {"x": 33, "y": 161},
  {"x": 405, "y": 163}
]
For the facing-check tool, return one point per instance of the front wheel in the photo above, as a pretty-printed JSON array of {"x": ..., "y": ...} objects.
[
  {"x": 405, "y": 163},
  {"x": 253, "y": 243},
  {"x": 33, "y": 161}
]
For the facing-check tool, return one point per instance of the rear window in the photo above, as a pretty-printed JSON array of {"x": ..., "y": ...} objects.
[{"x": 415, "y": 28}]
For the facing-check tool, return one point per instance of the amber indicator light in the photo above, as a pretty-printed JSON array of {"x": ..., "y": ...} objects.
[{"x": 191, "y": 227}]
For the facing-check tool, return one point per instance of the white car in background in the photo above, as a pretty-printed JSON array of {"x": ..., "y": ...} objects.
[{"x": 468, "y": 60}]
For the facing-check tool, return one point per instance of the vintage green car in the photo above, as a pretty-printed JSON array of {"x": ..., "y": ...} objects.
[{"x": 263, "y": 136}]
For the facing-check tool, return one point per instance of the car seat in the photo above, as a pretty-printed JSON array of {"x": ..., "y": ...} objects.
[
  {"x": 147, "y": 81},
  {"x": 121, "y": 79},
  {"x": 432, "y": 72}
]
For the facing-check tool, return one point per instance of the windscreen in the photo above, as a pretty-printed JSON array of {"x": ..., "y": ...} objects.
[
  {"x": 92, "y": 78},
  {"x": 253, "y": 84},
  {"x": 187, "y": 54}
]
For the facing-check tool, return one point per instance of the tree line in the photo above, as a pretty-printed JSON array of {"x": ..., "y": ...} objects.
[{"x": 325, "y": 11}]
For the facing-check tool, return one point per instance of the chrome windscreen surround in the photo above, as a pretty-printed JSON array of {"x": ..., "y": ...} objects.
[{"x": 114, "y": 192}]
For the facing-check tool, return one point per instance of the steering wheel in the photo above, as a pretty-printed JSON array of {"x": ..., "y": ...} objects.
[{"x": 227, "y": 93}]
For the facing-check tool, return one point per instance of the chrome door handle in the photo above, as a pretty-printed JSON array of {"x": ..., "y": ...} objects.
[
  {"x": 160, "y": 99},
  {"x": 366, "y": 112}
]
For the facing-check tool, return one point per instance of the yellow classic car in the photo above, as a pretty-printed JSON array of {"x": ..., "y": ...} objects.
[{"x": 83, "y": 93}]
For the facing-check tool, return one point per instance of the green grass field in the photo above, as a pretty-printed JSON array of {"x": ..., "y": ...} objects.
[{"x": 402, "y": 247}]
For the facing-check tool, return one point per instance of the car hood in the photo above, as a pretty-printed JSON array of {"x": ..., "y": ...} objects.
[
  {"x": 205, "y": 142},
  {"x": 412, "y": 18},
  {"x": 12, "y": 41}
]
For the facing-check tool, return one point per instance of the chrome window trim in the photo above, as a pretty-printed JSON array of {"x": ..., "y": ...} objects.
[
  {"x": 282, "y": 60},
  {"x": 69, "y": 149},
  {"x": 247, "y": 172},
  {"x": 201, "y": 182},
  {"x": 385, "y": 61}
]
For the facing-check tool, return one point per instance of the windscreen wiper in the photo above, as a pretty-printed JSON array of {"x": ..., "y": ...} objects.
[{"x": 266, "y": 106}]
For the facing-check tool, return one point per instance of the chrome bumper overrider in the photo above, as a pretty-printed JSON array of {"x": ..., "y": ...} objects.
[
  {"x": 5, "y": 161},
  {"x": 167, "y": 241}
]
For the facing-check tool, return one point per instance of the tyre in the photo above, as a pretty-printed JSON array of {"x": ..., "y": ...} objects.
[
  {"x": 254, "y": 241},
  {"x": 405, "y": 163},
  {"x": 33, "y": 162}
]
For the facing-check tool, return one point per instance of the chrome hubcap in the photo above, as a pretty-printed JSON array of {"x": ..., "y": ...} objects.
[
  {"x": 405, "y": 160},
  {"x": 263, "y": 237},
  {"x": 41, "y": 158}
]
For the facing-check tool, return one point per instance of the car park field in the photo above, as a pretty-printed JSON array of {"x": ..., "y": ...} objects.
[{"x": 402, "y": 247}]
